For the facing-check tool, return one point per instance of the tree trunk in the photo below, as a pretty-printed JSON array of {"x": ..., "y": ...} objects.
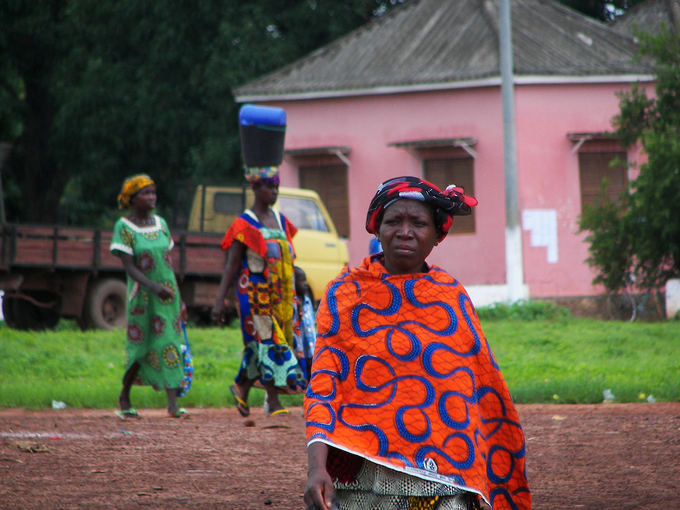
[{"x": 41, "y": 182}]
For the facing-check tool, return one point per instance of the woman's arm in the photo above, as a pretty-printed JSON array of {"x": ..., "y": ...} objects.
[
  {"x": 231, "y": 267},
  {"x": 319, "y": 490},
  {"x": 137, "y": 275}
]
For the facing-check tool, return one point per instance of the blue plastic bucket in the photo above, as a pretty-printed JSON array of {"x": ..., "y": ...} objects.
[{"x": 263, "y": 130}]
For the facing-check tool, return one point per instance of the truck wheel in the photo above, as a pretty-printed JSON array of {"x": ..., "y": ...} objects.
[{"x": 106, "y": 304}]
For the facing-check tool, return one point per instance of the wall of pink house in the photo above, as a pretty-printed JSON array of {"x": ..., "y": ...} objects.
[
  {"x": 547, "y": 170},
  {"x": 368, "y": 125},
  {"x": 549, "y": 177}
]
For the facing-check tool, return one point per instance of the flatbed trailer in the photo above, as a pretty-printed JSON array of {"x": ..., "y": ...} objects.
[{"x": 49, "y": 272}]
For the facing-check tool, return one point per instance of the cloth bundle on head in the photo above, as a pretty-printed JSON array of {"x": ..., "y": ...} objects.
[
  {"x": 132, "y": 185},
  {"x": 255, "y": 174},
  {"x": 445, "y": 204}
]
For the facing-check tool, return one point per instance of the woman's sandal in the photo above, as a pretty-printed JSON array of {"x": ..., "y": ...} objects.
[
  {"x": 278, "y": 419},
  {"x": 130, "y": 412},
  {"x": 241, "y": 405},
  {"x": 279, "y": 412},
  {"x": 180, "y": 413},
  {"x": 124, "y": 414}
]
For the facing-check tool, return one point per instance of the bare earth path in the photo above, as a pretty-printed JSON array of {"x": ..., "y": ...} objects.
[{"x": 615, "y": 456}]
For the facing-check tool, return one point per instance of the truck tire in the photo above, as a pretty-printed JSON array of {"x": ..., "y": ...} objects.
[{"x": 106, "y": 304}]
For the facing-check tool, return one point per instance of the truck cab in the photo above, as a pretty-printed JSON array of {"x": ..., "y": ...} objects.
[{"x": 320, "y": 252}]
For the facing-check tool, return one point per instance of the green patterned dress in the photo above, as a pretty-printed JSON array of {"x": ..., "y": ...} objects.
[{"x": 154, "y": 331}]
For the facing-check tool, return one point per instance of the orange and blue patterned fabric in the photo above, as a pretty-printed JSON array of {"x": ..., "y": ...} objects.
[{"x": 403, "y": 376}]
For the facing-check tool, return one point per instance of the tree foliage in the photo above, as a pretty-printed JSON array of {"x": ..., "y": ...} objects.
[
  {"x": 31, "y": 46},
  {"x": 95, "y": 90},
  {"x": 638, "y": 241}
]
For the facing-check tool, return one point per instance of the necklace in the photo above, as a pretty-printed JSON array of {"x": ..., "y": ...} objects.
[
  {"x": 267, "y": 218},
  {"x": 149, "y": 220}
]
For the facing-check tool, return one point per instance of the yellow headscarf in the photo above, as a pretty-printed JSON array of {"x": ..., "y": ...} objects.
[{"x": 131, "y": 186}]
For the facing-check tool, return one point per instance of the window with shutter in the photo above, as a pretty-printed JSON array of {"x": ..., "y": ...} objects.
[
  {"x": 594, "y": 167},
  {"x": 452, "y": 166},
  {"x": 600, "y": 158},
  {"x": 447, "y": 161},
  {"x": 327, "y": 175}
]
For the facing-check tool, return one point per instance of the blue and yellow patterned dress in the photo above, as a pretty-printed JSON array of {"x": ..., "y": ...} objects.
[{"x": 154, "y": 331}]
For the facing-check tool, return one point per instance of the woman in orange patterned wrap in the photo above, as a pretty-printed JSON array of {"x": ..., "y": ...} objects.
[{"x": 406, "y": 406}]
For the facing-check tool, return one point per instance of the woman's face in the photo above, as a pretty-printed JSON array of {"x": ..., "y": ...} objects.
[
  {"x": 145, "y": 198},
  {"x": 407, "y": 234},
  {"x": 300, "y": 283},
  {"x": 266, "y": 192}
]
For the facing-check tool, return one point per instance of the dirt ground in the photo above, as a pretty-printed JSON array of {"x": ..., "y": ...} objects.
[{"x": 609, "y": 456}]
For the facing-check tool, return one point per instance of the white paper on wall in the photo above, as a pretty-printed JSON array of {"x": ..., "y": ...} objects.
[{"x": 542, "y": 224}]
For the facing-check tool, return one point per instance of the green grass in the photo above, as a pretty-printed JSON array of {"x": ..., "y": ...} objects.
[
  {"x": 546, "y": 357},
  {"x": 575, "y": 360},
  {"x": 85, "y": 369}
]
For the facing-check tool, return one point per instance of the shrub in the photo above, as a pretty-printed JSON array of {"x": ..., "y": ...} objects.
[{"x": 524, "y": 310}]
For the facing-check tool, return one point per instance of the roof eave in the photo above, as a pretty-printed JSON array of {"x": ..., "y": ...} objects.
[
  {"x": 559, "y": 80},
  {"x": 433, "y": 87}
]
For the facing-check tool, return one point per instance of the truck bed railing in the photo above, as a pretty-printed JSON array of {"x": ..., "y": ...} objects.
[{"x": 87, "y": 249}]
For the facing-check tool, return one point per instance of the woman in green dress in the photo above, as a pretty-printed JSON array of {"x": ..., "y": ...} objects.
[{"x": 154, "y": 309}]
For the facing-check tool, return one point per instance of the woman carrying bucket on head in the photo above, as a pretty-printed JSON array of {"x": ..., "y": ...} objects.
[{"x": 260, "y": 264}]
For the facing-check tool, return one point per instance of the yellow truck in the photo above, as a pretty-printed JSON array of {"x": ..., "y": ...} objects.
[
  {"x": 52, "y": 271},
  {"x": 320, "y": 252}
]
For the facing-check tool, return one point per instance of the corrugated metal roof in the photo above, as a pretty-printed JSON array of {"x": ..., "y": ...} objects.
[{"x": 430, "y": 44}]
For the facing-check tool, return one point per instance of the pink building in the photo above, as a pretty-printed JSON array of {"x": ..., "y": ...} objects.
[{"x": 418, "y": 91}]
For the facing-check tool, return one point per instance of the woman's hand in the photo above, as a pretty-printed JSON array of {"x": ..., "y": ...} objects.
[
  {"x": 216, "y": 312},
  {"x": 164, "y": 293},
  {"x": 319, "y": 490}
]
